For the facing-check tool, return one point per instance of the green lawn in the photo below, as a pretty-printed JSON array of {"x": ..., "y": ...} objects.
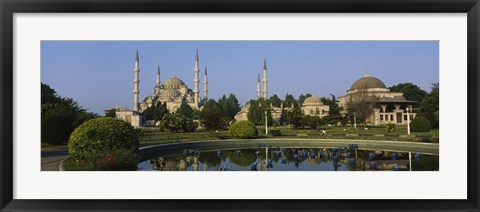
[
  {"x": 70, "y": 165},
  {"x": 400, "y": 130},
  {"x": 151, "y": 136}
]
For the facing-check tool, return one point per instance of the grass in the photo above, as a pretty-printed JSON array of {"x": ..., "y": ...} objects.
[
  {"x": 71, "y": 165},
  {"x": 400, "y": 130},
  {"x": 151, "y": 136}
]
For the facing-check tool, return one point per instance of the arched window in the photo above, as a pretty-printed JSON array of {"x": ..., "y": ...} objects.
[{"x": 311, "y": 111}]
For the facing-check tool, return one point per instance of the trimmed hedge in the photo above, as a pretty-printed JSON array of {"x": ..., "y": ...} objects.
[
  {"x": 276, "y": 132},
  {"x": 420, "y": 124},
  {"x": 242, "y": 129},
  {"x": 103, "y": 140}
]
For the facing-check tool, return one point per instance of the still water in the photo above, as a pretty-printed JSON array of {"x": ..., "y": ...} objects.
[{"x": 348, "y": 158}]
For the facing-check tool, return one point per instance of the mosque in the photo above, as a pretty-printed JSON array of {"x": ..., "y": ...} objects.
[
  {"x": 173, "y": 92},
  {"x": 312, "y": 105},
  {"x": 388, "y": 106}
]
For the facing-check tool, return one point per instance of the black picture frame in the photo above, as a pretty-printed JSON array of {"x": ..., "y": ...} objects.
[{"x": 9, "y": 7}]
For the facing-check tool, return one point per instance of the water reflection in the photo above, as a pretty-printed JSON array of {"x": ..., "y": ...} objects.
[{"x": 348, "y": 158}]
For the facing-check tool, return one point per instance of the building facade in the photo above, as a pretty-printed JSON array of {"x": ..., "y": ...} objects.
[
  {"x": 387, "y": 106},
  {"x": 313, "y": 106},
  {"x": 173, "y": 92}
]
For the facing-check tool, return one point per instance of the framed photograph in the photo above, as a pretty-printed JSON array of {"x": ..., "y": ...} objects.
[{"x": 257, "y": 106}]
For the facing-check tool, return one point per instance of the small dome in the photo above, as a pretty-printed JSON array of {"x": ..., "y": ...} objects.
[
  {"x": 170, "y": 93},
  {"x": 173, "y": 82},
  {"x": 312, "y": 100},
  {"x": 367, "y": 82}
]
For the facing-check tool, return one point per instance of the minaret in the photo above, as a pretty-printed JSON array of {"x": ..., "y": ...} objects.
[
  {"x": 136, "y": 81},
  {"x": 265, "y": 81},
  {"x": 157, "y": 82},
  {"x": 205, "y": 83},
  {"x": 258, "y": 87},
  {"x": 196, "y": 80}
]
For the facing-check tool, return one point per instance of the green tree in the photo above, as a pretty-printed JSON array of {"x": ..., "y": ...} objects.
[
  {"x": 302, "y": 98},
  {"x": 293, "y": 117},
  {"x": 334, "y": 116},
  {"x": 361, "y": 105},
  {"x": 177, "y": 122},
  {"x": 430, "y": 106},
  {"x": 276, "y": 102},
  {"x": 48, "y": 94},
  {"x": 59, "y": 116},
  {"x": 230, "y": 107},
  {"x": 211, "y": 115},
  {"x": 57, "y": 122},
  {"x": 255, "y": 112},
  {"x": 185, "y": 110},
  {"x": 156, "y": 112},
  {"x": 289, "y": 100},
  {"x": 410, "y": 92},
  {"x": 111, "y": 113}
]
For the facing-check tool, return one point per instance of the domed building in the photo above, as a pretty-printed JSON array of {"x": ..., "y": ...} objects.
[
  {"x": 173, "y": 92},
  {"x": 387, "y": 106},
  {"x": 313, "y": 106}
]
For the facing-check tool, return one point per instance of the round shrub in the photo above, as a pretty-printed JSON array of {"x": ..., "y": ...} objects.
[
  {"x": 242, "y": 129},
  {"x": 390, "y": 127},
  {"x": 102, "y": 139},
  {"x": 420, "y": 124}
]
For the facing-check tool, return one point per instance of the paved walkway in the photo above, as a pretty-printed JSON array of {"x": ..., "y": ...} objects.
[{"x": 51, "y": 159}]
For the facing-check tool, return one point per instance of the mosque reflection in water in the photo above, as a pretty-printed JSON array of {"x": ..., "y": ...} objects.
[{"x": 348, "y": 158}]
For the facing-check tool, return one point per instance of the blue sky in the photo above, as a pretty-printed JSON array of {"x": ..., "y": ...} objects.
[{"x": 99, "y": 74}]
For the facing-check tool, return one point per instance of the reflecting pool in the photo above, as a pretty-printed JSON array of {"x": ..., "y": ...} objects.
[{"x": 343, "y": 158}]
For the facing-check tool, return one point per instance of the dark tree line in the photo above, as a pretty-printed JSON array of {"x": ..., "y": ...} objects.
[
  {"x": 293, "y": 116},
  {"x": 59, "y": 116},
  {"x": 218, "y": 115},
  {"x": 214, "y": 115}
]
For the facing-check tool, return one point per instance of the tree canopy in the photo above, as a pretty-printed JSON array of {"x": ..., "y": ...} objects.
[
  {"x": 289, "y": 100},
  {"x": 256, "y": 112},
  {"x": 211, "y": 115},
  {"x": 276, "y": 102},
  {"x": 156, "y": 112},
  {"x": 230, "y": 107},
  {"x": 361, "y": 105},
  {"x": 429, "y": 108},
  {"x": 59, "y": 116},
  {"x": 410, "y": 92},
  {"x": 185, "y": 110}
]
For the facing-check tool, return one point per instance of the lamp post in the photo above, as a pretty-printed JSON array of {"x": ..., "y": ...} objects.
[
  {"x": 408, "y": 121},
  {"x": 266, "y": 123},
  {"x": 354, "y": 120}
]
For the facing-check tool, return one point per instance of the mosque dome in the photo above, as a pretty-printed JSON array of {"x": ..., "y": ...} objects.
[
  {"x": 173, "y": 82},
  {"x": 313, "y": 100},
  {"x": 170, "y": 93},
  {"x": 367, "y": 82}
]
